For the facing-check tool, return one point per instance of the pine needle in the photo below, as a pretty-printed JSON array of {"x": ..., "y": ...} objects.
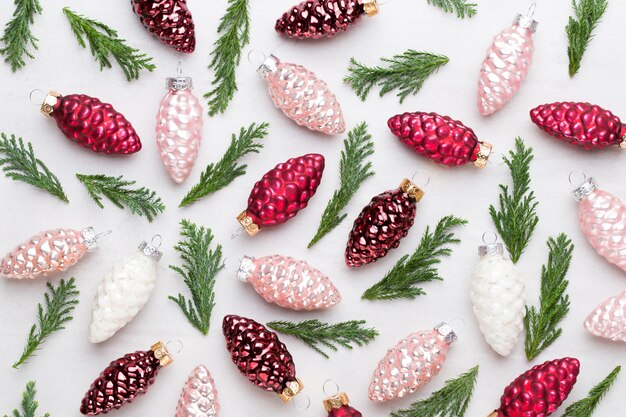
[
  {"x": 219, "y": 175},
  {"x": 580, "y": 29},
  {"x": 586, "y": 406},
  {"x": 17, "y": 35},
  {"x": 141, "y": 201},
  {"x": 316, "y": 334},
  {"x": 420, "y": 266},
  {"x": 59, "y": 303},
  {"x": 406, "y": 73},
  {"x": 20, "y": 164},
  {"x": 516, "y": 217},
  {"x": 542, "y": 324},
  {"x": 461, "y": 8},
  {"x": 29, "y": 404},
  {"x": 104, "y": 42},
  {"x": 200, "y": 267},
  {"x": 352, "y": 171}
]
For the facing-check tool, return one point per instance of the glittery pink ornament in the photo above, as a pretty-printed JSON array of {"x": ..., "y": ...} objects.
[
  {"x": 411, "y": 364},
  {"x": 289, "y": 283},
  {"x": 608, "y": 320},
  {"x": 199, "y": 396}
]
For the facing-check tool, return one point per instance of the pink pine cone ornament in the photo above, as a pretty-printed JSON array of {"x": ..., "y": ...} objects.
[
  {"x": 608, "y": 320},
  {"x": 199, "y": 396}
]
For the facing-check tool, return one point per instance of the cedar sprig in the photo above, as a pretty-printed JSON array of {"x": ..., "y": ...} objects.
[
  {"x": 104, "y": 43},
  {"x": 406, "y": 73},
  {"x": 580, "y": 29},
  {"x": 353, "y": 170},
  {"x": 419, "y": 267},
  {"x": 542, "y": 323},
  {"x": 586, "y": 406},
  {"x": 29, "y": 404},
  {"x": 219, "y": 175},
  {"x": 19, "y": 163},
  {"x": 17, "y": 37},
  {"x": 201, "y": 264},
  {"x": 59, "y": 302},
  {"x": 461, "y": 8},
  {"x": 450, "y": 401},
  {"x": 141, "y": 201},
  {"x": 516, "y": 216},
  {"x": 317, "y": 335}
]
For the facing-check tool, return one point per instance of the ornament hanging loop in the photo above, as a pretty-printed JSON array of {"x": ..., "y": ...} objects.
[
  {"x": 571, "y": 176},
  {"x": 531, "y": 10},
  {"x": 179, "y": 69},
  {"x": 156, "y": 241},
  {"x": 419, "y": 176},
  {"x": 301, "y": 402},
  {"x": 256, "y": 57},
  {"x": 330, "y": 388},
  {"x": 458, "y": 324},
  {"x": 174, "y": 346},
  {"x": 489, "y": 238},
  {"x": 38, "y": 101}
]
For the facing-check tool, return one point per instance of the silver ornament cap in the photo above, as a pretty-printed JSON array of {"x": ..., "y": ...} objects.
[
  {"x": 179, "y": 83},
  {"x": 269, "y": 65},
  {"x": 151, "y": 249},
  {"x": 587, "y": 188},
  {"x": 445, "y": 330},
  {"x": 247, "y": 263},
  {"x": 490, "y": 249}
]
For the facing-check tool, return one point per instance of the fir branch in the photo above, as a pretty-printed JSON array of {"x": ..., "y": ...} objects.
[
  {"x": 586, "y": 406},
  {"x": 579, "y": 30},
  {"x": 516, "y": 217},
  {"x": 316, "y": 334},
  {"x": 29, "y": 404},
  {"x": 219, "y": 175},
  {"x": 20, "y": 164},
  {"x": 234, "y": 29},
  {"x": 200, "y": 267},
  {"x": 406, "y": 73},
  {"x": 352, "y": 171},
  {"x": 461, "y": 8},
  {"x": 59, "y": 303},
  {"x": 419, "y": 267},
  {"x": 450, "y": 401},
  {"x": 17, "y": 35},
  {"x": 541, "y": 324},
  {"x": 104, "y": 42}
]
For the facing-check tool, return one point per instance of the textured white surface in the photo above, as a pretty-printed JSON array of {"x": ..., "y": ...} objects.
[{"x": 68, "y": 363}]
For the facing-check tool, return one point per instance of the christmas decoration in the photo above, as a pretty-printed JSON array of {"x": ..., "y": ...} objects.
[
  {"x": 125, "y": 379},
  {"x": 314, "y": 19},
  {"x": 261, "y": 357},
  {"x": 539, "y": 391},
  {"x": 169, "y": 20},
  {"x": 579, "y": 30},
  {"x": 29, "y": 404},
  {"x": 462, "y": 8},
  {"x": 282, "y": 192},
  {"x": 302, "y": 96},
  {"x": 18, "y": 37},
  {"x": 411, "y": 364},
  {"x": 199, "y": 396},
  {"x": 123, "y": 291},
  {"x": 608, "y": 320},
  {"x": 339, "y": 406},
  {"x": 439, "y": 138},
  {"x": 586, "y": 406}
]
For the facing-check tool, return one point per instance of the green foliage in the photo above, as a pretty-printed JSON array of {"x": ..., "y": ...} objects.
[
  {"x": 580, "y": 29},
  {"x": 29, "y": 404},
  {"x": 17, "y": 37},
  {"x": 586, "y": 406},
  {"x": 461, "y": 8}
]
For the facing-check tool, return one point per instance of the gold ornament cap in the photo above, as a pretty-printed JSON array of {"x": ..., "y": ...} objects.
[
  {"x": 248, "y": 225},
  {"x": 47, "y": 107},
  {"x": 162, "y": 354},
  {"x": 484, "y": 151},
  {"x": 292, "y": 389},
  {"x": 494, "y": 414},
  {"x": 371, "y": 7},
  {"x": 412, "y": 190},
  {"x": 336, "y": 401}
]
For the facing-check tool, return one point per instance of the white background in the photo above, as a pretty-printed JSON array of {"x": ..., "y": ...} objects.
[{"x": 67, "y": 365}]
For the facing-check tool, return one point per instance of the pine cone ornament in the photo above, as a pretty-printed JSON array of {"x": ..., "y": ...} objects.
[
  {"x": 580, "y": 124},
  {"x": 261, "y": 357},
  {"x": 199, "y": 396},
  {"x": 169, "y": 20},
  {"x": 91, "y": 123},
  {"x": 439, "y": 138},
  {"x": 125, "y": 379},
  {"x": 339, "y": 406},
  {"x": 608, "y": 320},
  {"x": 282, "y": 192},
  {"x": 382, "y": 224},
  {"x": 539, "y": 391}
]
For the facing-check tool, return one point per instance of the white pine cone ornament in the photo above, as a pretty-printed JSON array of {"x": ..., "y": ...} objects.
[
  {"x": 199, "y": 396},
  {"x": 608, "y": 320}
]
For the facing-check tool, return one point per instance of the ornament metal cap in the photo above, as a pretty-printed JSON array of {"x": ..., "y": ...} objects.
[
  {"x": 247, "y": 263},
  {"x": 161, "y": 353},
  {"x": 248, "y": 225},
  {"x": 494, "y": 414},
  {"x": 412, "y": 190},
  {"x": 151, "y": 249},
  {"x": 336, "y": 401},
  {"x": 268, "y": 66},
  {"x": 47, "y": 107},
  {"x": 587, "y": 187},
  {"x": 371, "y": 7},
  {"x": 292, "y": 389},
  {"x": 491, "y": 249},
  {"x": 526, "y": 21},
  {"x": 179, "y": 83},
  {"x": 90, "y": 238},
  {"x": 446, "y": 332},
  {"x": 484, "y": 151}
]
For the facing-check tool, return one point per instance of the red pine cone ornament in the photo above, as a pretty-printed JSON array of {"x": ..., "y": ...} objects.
[
  {"x": 440, "y": 138},
  {"x": 168, "y": 20},
  {"x": 261, "y": 357},
  {"x": 338, "y": 406},
  {"x": 91, "y": 123},
  {"x": 580, "y": 124},
  {"x": 282, "y": 192}
]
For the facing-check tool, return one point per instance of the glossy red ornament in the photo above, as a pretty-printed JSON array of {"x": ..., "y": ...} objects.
[
  {"x": 440, "y": 138},
  {"x": 169, "y": 20},
  {"x": 338, "y": 406},
  {"x": 580, "y": 124}
]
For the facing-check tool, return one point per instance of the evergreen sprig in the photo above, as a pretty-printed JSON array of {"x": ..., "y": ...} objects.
[
  {"x": 219, "y": 175},
  {"x": 17, "y": 35},
  {"x": 542, "y": 323},
  {"x": 201, "y": 264},
  {"x": 586, "y": 406},
  {"x": 19, "y": 163},
  {"x": 353, "y": 170},
  {"x": 104, "y": 43},
  {"x": 461, "y": 8},
  {"x": 516, "y": 216},
  {"x": 141, "y": 201},
  {"x": 316, "y": 334},
  {"x": 450, "y": 401},
  {"x": 580, "y": 29},
  {"x": 419, "y": 267},
  {"x": 29, "y": 404},
  {"x": 57, "y": 310}
]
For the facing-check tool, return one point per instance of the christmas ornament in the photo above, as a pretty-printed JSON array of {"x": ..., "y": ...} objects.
[
  {"x": 91, "y": 123},
  {"x": 608, "y": 320},
  {"x": 125, "y": 379},
  {"x": 382, "y": 224},
  {"x": 314, "y": 19},
  {"x": 261, "y": 357},
  {"x": 124, "y": 291},
  {"x": 507, "y": 63},
  {"x": 339, "y": 406},
  {"x": 282, "y": 192},
  {"x": 199, "y": 396},
  {"x": 169, "y": 20},
  {"x": 539, "y": 391},
  {"x": 411, "y": 364},
  {"x": 302, "y": 96},
  {"x": 439, "y": 138}
]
